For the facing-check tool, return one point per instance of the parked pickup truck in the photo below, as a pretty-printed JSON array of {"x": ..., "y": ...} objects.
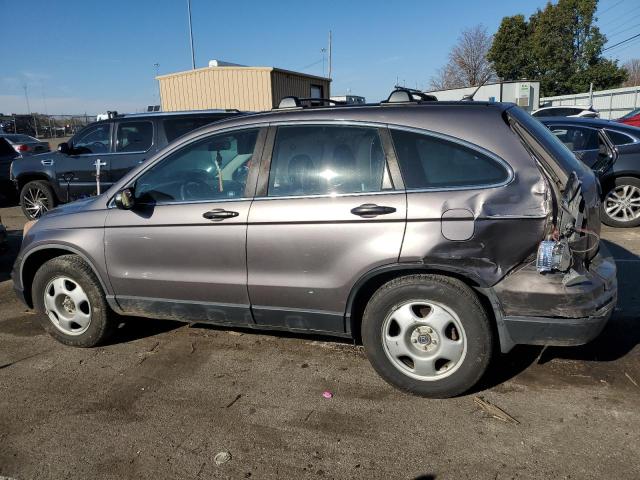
[{"x": 118, "y": 144}]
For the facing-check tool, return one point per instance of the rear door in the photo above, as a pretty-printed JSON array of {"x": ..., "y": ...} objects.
[
  {"x": 328, "y": 209},
  {"x": 583, "y": 141}
]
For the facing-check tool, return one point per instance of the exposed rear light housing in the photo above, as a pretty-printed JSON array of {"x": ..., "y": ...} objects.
[{"x": 553, "y": 256}]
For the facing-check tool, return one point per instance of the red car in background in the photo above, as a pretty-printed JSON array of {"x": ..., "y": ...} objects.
[{"x": 631, "y": 118}]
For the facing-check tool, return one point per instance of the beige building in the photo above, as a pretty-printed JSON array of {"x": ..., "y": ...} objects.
[{"x": 244, "y": 88}]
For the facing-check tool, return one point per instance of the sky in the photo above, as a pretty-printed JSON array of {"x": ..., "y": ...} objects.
[{"x": 89, "y": 56}]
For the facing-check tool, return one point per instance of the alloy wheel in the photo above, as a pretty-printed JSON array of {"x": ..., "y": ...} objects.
[
  {"x": 67, "y": 306},
  {"x": 424, "y": 340},
  {"x": 622, "y": 203},
  {"x": 36, "y": 202}
]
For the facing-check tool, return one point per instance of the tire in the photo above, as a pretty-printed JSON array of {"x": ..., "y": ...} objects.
[
  {"x": 84, "y": 322},
  {"x": 36, "y": 197},
  {"x": 621, "y": 204},
  {"x": 429, "y": 318}
]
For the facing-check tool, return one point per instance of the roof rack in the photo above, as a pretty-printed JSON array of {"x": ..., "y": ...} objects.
[
  {"x": 408, "y": 95},
  {"x": 296, "y": 102}
]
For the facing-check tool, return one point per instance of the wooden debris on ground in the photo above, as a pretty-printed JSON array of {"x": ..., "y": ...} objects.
[{"x": 495, "y": 411}]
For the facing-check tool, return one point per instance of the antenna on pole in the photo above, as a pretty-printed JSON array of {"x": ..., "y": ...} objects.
[
  {"x": 329, "y": 53},
  {"x": 193, "y": 57}
]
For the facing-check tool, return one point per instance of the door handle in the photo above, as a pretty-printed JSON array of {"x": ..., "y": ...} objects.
[
  {"x": 46, "y": 163},
  {"x": 370, "y": 210},
  {"x": 219, "y": 214},
  {"x": 141, "y": 161}
]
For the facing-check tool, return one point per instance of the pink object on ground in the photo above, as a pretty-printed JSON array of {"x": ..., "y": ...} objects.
[{"x": 327, "y": 394}]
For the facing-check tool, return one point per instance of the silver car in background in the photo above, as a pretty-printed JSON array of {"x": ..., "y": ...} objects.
[{"x": 25, "y": 144}]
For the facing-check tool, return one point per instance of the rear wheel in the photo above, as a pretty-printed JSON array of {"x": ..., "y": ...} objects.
[
  {"x": 36, "y": 198},
  {"x": 428, "y": 335},
  {"x": 68, "y": 294},
  {"x": 621, "y": 204}
]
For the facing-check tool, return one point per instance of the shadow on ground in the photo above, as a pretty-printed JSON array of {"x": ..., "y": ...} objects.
[{"x": 620, "y": 336}]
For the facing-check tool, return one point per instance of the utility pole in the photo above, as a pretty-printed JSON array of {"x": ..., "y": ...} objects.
[
  {"x": 324, "y": 59},
  {"x": 157, "y": 65},
  {"x": 193, "y": 57},
  {"x": 26, "y": 96},
  {"x": 329, "y": 53}
]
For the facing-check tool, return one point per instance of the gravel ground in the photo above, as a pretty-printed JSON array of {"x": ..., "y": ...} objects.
[{"x": 164, "y": 398}]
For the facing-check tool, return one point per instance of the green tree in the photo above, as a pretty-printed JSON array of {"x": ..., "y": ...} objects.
[{"x": 559, "y": 45}]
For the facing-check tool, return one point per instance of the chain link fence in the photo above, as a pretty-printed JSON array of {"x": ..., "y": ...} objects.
[{"x": 45, "y": 126}]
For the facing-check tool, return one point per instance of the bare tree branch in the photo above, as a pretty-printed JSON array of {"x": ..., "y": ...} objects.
[
  {"x": 468, "y": 65},
  {"x": 633, "y": 69}
]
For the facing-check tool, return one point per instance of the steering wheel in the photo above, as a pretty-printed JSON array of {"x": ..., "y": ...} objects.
[
  {"x": 193, "y": 187},
  {"x": 97, "y": 147}
]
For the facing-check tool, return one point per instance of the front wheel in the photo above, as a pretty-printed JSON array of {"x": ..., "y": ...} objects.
[
  {"x": 69, "y": 295},
  {"x": 36, "y": 198},
  {"x": 427, "y": 335},
  {"x": 621, "y": 204}
]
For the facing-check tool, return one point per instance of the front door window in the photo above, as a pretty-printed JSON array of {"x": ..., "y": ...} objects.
[
  {"x": 207, "y": 170},
  {"x": 94, "y": 139}
]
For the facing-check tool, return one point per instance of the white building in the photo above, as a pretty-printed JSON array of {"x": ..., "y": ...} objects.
[
  {"x": 350, "y": 99},
  {"x": 613, "y": 103},
  {"x": 524, "y": 93}
]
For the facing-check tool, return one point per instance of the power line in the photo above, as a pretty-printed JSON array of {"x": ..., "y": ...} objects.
[
  {"x": 622, "y": 48},
  {"x": 624, "y": 30},
  {"x": 628, "y": 20},
  {"x": 612, "y": 6},
  {"x": 623, "y": 41}
]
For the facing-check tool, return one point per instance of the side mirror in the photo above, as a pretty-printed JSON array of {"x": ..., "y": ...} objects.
[
  {"x": 125, "y": 199},
  {"x": 64, "y": 148}
]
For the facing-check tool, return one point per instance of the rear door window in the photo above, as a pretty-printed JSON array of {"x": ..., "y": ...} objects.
[
  {"x": 176, "y": 127},
  {"x": 327, "y": 160},
  {"x": 619, "y": 138},
  {"x": 427, "y": 161},
  {"x": 134, "y": 136}
]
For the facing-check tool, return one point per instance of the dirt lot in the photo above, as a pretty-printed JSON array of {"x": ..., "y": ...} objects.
[{"x": 164, "y": 398}]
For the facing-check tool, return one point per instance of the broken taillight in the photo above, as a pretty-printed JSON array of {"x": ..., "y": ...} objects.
[{"x": 553, "y": 256}]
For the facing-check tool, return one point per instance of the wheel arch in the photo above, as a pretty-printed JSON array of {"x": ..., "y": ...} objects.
[
  {"x": 41, "y": 254},
  {"x": 366, "y": 286},
  {"x": 25, "y": 178}
]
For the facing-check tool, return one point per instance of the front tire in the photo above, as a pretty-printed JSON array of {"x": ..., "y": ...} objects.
[
  {"x": 73, "y": 306},
  {"x": 621, "y": 205},
  {"x": 428, "y": 335},
  {"x": 36, "y": 198}
]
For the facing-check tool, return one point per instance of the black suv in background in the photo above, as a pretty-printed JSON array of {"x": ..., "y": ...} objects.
[{"x": 119, "y": 143}]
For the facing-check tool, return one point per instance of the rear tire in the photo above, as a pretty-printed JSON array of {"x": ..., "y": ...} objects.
[
  {"x": 73, "y": 306},
  {"x": 428, "y": 335},
  {"x": 36, "y": 198},
  {"x": 621, "y": 205}
]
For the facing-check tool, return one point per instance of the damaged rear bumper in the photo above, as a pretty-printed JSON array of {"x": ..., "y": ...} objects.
[{"x": 547, "y": 309}]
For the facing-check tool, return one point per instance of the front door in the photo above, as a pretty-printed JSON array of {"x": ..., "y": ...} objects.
[
  {"x": 76, "y": 172},
  {"x": 327, "y": 214},
  {"x": 180, "y": 252},
  {"x": 134, "y": 141},
  {"x": 583, "y": 141}
]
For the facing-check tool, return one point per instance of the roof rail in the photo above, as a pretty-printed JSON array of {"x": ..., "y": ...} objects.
[
  {"x": 408, "y": 95},
  {"x": 296, "y": 102}
]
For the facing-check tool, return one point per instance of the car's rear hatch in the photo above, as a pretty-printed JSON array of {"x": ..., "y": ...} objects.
[{"x": 576, "y": 188}]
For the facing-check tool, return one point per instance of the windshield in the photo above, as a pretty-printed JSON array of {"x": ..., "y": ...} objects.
[{"x": 632, "y": 113}]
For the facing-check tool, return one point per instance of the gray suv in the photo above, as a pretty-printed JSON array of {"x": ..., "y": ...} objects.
[{"x": 437, "y": 233}]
